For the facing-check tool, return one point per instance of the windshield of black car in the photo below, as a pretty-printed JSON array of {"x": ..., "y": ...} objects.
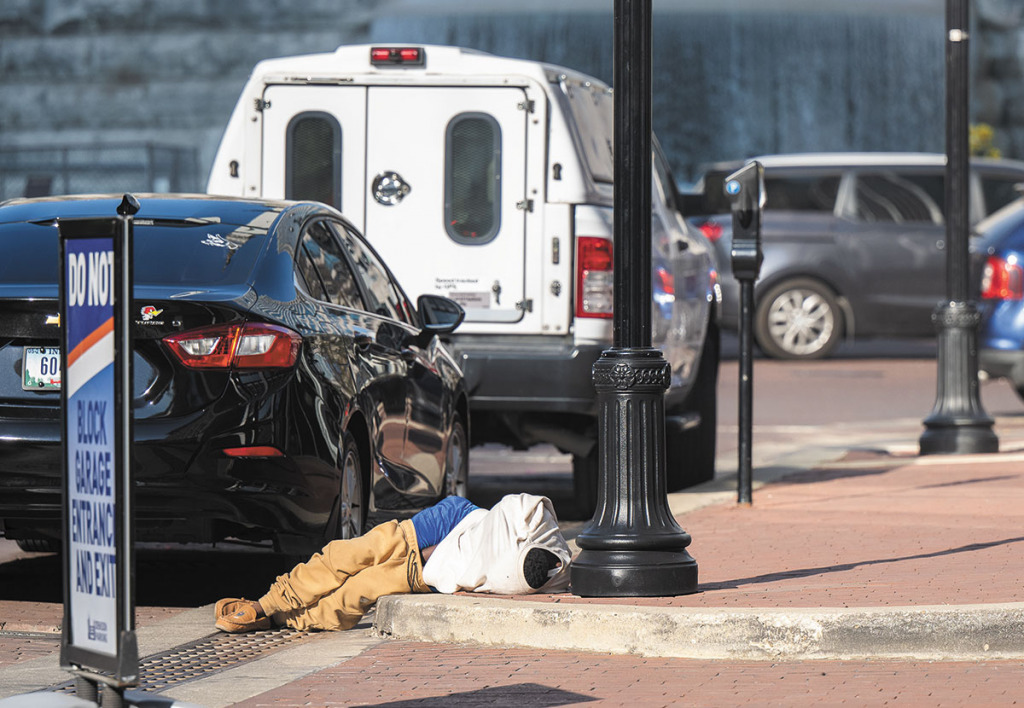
[{"x": 166, "y": 253}]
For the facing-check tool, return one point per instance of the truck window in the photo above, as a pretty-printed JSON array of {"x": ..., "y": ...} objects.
[
  {"x": 313, "y": 159},
  {"x": 472, "y": 185},
  {"x": 592, "y": 107}
]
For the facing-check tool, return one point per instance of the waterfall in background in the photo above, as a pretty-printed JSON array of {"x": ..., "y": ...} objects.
[{"x": 730, "y": 85}]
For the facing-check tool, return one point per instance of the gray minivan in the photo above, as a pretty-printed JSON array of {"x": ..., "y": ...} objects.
[{"x": 854, "y": 244}]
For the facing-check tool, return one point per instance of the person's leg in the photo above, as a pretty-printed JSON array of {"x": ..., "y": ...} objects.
[
  {"x": 345, "y": 606},
  {"x": 389, "y": 544}
]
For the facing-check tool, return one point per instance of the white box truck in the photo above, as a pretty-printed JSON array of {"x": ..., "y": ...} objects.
[{"x": 489, "y": 180}]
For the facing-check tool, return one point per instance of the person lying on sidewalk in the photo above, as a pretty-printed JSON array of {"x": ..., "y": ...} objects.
[{"x": 513, "y": 548}]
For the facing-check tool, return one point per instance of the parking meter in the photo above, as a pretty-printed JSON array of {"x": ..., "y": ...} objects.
[{"x": 745, "y": 190}]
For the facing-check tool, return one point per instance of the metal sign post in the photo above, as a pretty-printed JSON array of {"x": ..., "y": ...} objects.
[
  {"x": 745, "y": 190},
  {"x": 98, "y": 641}
]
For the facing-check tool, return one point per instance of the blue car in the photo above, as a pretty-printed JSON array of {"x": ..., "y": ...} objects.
[{"x": 998, "y": 260}]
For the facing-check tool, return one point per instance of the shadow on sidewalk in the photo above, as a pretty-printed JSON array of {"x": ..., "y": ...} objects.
[
  {"x": 521, "y": 695},
  {"x": 808, "y": 572}
]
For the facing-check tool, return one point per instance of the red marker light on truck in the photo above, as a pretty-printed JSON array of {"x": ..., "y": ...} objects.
[{"x": 404, "y": 56}]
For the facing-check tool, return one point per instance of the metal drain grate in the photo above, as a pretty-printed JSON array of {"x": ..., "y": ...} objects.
[{"x": 209, "y": 655}]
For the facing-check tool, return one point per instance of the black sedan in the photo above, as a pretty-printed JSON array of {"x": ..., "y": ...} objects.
[{"x": 285, "y": 389}]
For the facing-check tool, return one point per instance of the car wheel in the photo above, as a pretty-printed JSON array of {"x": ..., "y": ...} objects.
[
  {"x": 690, "y": 454},
  {"x": 456, "y": 468},
  {"x": 584, "y": 482},
  {"x": 352, "y": 496},
  {"x": 798, "y": 319}
]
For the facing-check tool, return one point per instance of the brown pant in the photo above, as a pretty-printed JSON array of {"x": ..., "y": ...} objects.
[{"x": 334, "y": 588}]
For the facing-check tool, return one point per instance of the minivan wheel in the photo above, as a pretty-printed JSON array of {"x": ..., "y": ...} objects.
[
  {"x": 798, "y": 319},
  {"x": 456, "y": 468},
  {"x": 351, "y": 507}
]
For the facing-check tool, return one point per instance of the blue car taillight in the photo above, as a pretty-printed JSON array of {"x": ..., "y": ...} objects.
[{"x": 1002, "y": 279}]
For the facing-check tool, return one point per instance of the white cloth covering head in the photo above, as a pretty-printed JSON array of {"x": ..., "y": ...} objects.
[{"x": 485, "y": 551}]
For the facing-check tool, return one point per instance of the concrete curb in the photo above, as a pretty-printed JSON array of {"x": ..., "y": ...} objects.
[{"x": 947, "y": 632}]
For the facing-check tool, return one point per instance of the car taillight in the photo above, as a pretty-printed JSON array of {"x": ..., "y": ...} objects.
[
  {"x": 594, "y": 277},
  {"x": 712, "y": 230},
  {"x": 1002, "y": 280},
  {"x": 236, "y": 346}
]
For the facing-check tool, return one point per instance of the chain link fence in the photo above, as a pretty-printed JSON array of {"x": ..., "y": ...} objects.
[{"x": 95, "y": 169}]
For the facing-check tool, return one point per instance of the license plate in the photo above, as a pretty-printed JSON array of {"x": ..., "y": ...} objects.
[{"x": 40, "y": 370}]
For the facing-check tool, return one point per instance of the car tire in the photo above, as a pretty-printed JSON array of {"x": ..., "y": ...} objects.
[
  {"x": 456, "y": 469},
  {"x": 351, "y": 508},
  {"x": 798, "y": 319},
  {"x": 690, "y": 454}
]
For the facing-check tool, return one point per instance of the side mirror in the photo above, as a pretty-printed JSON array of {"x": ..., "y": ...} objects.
[{"x": 439, "y": 315}]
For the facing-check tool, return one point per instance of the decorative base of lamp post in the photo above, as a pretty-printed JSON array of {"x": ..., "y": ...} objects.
[
  {"x": 633, "y": 547},
  {"x": 958, "y": 425}
]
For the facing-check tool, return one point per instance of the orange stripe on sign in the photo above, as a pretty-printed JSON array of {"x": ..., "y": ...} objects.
[{"x": 86, "y": 344}]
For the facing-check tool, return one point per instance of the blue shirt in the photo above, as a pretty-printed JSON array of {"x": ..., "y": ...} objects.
[{"x": 436, "y": 522}]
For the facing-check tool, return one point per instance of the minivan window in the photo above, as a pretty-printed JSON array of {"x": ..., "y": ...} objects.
[
  {"x": 801, "y": 193},
  {"x": 313, "y": 159},
  {"x": 899, "y": 197},
  {"x": 472, "y": 178}
]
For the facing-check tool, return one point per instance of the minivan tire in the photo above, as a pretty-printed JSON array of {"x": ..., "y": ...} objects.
[
  {"x": 798, "y": 319},
  {"x": 690, "y": 454}
]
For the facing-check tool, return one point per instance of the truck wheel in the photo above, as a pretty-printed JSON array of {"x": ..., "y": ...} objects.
[
  {"x": 690, "y": 454},
  {"x": 798, "y": 319},
  {"x": 584, "y": 482}
]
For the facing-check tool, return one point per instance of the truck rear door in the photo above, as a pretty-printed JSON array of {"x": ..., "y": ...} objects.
[
  {"x": 446, "y": 193},
  {"x": 314, "y": 145}
]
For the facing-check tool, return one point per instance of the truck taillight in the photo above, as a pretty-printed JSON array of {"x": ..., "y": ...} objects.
[
  {"x": 1002, "y": 280},
  {"x": 711, "y": 229},
  {"x": 594, "y": 277},
  {"x": 406, "y": 56},
  {"x": 236, "y": 346}
]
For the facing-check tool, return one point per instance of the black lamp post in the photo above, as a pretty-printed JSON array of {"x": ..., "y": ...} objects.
[
  {"x": 957, "y": 424},
  {"x": 633, "y": 546}
]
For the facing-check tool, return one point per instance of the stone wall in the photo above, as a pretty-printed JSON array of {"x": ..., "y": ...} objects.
[
  {"x": 97, "y": 72},
  {"x": 997, "y": 54},
  {"x": 88, "y": 72}
]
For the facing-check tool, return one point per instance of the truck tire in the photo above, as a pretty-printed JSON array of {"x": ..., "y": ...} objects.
[
  {"x": 584, "y": 483},
  {"x": 690, "y": 454}
]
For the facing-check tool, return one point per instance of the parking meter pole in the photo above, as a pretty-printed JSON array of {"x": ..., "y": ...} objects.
[
  {"x": 957, "y": 424},
  {"x": 745, "y": 191},
  {"x": 745, "y": 477},
  {"x": 633, "y": 546}
]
